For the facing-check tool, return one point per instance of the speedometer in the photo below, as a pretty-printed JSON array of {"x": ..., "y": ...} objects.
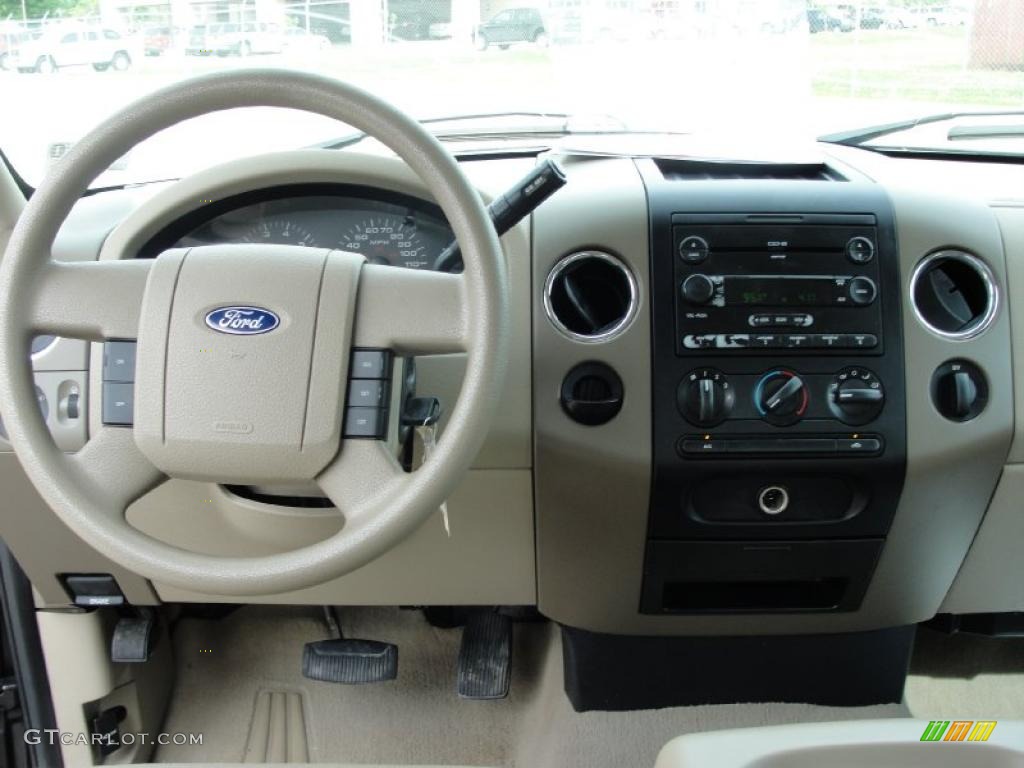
[{"x": 384, "y": 239}]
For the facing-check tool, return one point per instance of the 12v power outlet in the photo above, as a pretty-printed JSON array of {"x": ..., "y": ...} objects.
[{"x": 773, "y": 499}]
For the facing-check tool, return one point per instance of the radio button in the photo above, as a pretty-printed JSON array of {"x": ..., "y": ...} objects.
[
  {"x": 859, "y": 341},
  {"x": 766, "y": 341},
  {"x": 732, "y": 341},
  {"x": 801, "y": 340},
  {"x": 691, "y": 341},
  {"x": 860, "y": 250},
  {"x": 862, "y": 291},
  {"x": 693, "y": 249},
  {"x": 784, "y": 321},
  {"x": 698, "y": 289}
]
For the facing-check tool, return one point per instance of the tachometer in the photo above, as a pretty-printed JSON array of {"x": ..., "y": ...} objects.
[
  {"x": 280, "y": 231},
  {"x": 385, "y": 239}
]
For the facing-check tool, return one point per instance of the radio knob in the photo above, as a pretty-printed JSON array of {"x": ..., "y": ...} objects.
[
  {"x": 698, "y": 289},
  {"x": 781, "y": 397},
  {"x": 862, "y": 291},
  {"x": 705, "y": 397},
  {"x": 856, "y": 396}
]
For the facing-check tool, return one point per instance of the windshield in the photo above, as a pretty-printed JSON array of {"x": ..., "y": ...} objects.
[{"x": 749, "y": 71}]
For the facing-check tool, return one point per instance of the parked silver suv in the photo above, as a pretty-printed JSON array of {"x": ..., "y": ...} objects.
[{"x": 67, "y": 46}]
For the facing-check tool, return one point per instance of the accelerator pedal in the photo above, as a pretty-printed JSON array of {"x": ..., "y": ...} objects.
[
  {"x": 350, "y": 661},
  {"x": 485, "y": 657}
]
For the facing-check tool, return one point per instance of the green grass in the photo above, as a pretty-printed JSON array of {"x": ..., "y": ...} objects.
[{"x": 928, "y": 65}]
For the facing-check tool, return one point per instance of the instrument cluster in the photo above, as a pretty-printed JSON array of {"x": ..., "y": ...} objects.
[{"x": 387, "y": 229}]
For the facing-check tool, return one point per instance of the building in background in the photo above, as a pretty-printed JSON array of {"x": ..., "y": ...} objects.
[
  {"x": 996, "y": 35},
  {"x": 361, "y": 22}
]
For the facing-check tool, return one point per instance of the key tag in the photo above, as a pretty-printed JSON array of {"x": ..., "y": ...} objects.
[{"x": 427, "y": 432}]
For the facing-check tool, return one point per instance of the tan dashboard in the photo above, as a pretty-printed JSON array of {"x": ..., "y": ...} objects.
[{"x": 556, "y": 512}]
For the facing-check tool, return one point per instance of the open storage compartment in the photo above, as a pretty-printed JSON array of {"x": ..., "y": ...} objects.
[{"x": 757, "y": 577}]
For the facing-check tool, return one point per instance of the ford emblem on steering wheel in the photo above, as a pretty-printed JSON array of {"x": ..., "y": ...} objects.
[{"x": 242, "y": 321}]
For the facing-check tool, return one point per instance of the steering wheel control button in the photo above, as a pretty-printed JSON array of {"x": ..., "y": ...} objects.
[
  {"x": 118, "y": 403},
  {"x": 370, "y": 364},
  {"x": 366, "y": 393},
  {"x": 366, "y": 422},
  {"x": 781, "y": 397},
  {"x": 860, "y": 250},
  {"x": 856, "y": 396},
  {"x": 369, "y": 391},
  {"x": 773, "y": 500},
  {"x": 862, "y": 291},
  {"x": 119, "y": 361},
  {"x": 693, "y": 249}
]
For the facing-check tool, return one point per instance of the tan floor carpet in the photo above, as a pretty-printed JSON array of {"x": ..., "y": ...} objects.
[
  {"x": 966, "y": 677},
  {"x": 223, "y": 666}
]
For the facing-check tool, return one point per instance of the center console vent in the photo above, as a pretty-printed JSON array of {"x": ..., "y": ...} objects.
[
  {"x": 590, "y": 296},
  {"x": 709, "y": 170}
]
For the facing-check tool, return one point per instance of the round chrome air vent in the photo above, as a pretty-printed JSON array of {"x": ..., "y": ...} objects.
[
  {"x": 954, "y": 294},
  {"x": 590, "y": 296}
]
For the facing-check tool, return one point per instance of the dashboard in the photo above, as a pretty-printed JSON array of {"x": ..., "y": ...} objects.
[
  {"x": 682, "y": 446},
  {"x": 390, "y": 229}
]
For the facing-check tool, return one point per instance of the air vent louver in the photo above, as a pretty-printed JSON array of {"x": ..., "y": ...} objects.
[
  {"x": 590, "y": 296},
  {"x": 954, "y": 294}
]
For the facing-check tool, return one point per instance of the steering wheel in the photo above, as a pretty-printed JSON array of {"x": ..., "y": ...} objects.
[{"x": 255, "y": 407}]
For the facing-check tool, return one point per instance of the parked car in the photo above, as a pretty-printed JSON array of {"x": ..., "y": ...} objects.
[
  {"x": 298, "y": 39},
  {"x": 873, "y": 18},
  {"x": 441, "y": 30},
  {"x": 513, "y": 25},
  {"x": 410, "y": 25},
  {"x": 823, "y": 20},
  {"x": 67, "y": 46},
  {"x": 8, "y": 41},
  {"x": 157, "y": 40},
  {"x": 195, "y": 44},
  {"x": 245, "y": 39},
  {"x": 899, "y": 18}
]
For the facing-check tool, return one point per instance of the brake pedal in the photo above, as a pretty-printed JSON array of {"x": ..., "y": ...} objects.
[
  {"x": 134, "y": 637},
  {"x": 485, "y": 656},
  {"x": 351, "y": 662}
]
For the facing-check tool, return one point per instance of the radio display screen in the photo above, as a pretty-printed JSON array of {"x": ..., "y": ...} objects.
[{"x": 779, "y": 292}]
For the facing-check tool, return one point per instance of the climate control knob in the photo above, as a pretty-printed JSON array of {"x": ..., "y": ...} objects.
[
  {"x": 698, "y": 289},
  {"x": 856, "y": 396},
  {"x": 781, "y": 397},
  {"x": 705, "y": 397}
]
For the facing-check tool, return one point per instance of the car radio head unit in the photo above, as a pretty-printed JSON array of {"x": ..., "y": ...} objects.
[{"x": 762, "y": 286}]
